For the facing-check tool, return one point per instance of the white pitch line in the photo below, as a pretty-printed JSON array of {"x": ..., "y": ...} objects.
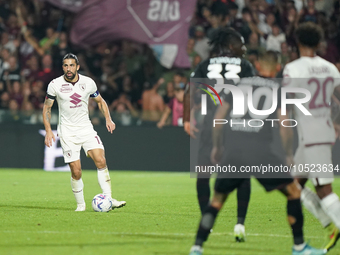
[{"x": 151, "y": 233}]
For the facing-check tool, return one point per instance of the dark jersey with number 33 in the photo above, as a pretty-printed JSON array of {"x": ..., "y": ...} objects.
[{"x": 221, "y": 69}]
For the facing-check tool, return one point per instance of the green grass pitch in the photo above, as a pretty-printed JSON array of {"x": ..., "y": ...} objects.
[{"x": 161, "y": 217}]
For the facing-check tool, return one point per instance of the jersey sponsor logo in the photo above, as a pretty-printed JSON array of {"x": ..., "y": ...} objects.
[
  {"x": 65, "y": 88},
  {"x": 82, "y": 86},
  {"x": 75, "y": 100}
]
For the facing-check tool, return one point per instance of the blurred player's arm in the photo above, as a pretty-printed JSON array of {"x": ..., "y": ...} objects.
[
  {"x": 186, "y": 105},
  {"x": 188, "y": 111},
  {"x": 287, "y": 137},
  {"x": 189, "y": 94},
  {"x": 47, "y": 121},
  {"x": 217, "y": 133},
  {"x": 336, "y": 110},
  {"x": 102, "y": 105}
]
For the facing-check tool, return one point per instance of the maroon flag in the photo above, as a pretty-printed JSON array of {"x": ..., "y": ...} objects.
[{"x": 162, "y": 24}]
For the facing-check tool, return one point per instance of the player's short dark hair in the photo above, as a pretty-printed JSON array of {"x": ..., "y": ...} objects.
[
  {"x": 223, "y": 37},
  {"x": 71, "y": 56},
  {"x": 309, "y": 34}
]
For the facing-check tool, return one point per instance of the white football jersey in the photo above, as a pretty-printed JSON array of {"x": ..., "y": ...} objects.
[
  {"x": 320, "y": 77},
  {"x": 73, "y": 104}
]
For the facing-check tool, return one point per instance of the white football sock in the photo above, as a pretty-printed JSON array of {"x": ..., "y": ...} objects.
[
  {"x": 331, "y": 205},
  {"x": 77, "y": 188},
  {"x": 312, "y": 202},
  {"x": 104, "y": 181},
  {"x": 299, "y": 247}
]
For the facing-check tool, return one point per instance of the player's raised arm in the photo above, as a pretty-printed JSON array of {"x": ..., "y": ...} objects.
[
  {"x": 110, "y": 125},
  {"x": 47, "y": 121}
]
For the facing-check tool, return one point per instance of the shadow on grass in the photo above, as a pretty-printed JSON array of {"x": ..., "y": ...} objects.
[{"x": 36, "y": 207}]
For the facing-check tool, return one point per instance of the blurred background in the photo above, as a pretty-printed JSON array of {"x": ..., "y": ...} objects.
[{"x": 140, "y": 54}]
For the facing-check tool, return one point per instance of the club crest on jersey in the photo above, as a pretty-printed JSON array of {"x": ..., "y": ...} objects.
[
  {"x": 82, "y": 86},
  {"x": 65, "y": 88}
]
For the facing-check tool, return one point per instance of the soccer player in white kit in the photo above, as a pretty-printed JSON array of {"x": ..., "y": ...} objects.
[
  {"x": 72, "y": 91},
  {"x": 313, "y": 158}
]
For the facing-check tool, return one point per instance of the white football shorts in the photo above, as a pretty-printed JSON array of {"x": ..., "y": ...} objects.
[
  {"x": 71, "y": 145},
  {"x": 314, "y": 163}
]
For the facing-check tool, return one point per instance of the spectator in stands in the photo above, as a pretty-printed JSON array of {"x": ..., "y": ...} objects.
[
  {"x": 12, "y": 26},
  {"x": 179, "y": 79},
  {"x": 28, "y": 114},
  {"x": 175, "y": 107},
  {"x": 309, "y": 13},
  {"x": 190, "y": 50},
  {"x": 4, "y": 100},
  {"x": 152, "y": 103},
  {"x": 284, "y": 54},
  {"x": 170, "y": 92},
  {"x": 47, "y": 72},
  {"x": 123, "y": 105},
  {"x": 247, "y": 26},
  {"x": 217, "y": 16},
  {"x": 4, "y": 60},
  {"x": 275, "y": 39},
  {"x": 50, "y": 35},
  {"x": 59, "y": 50},
  {"x": 292, "y": 22},
  {"x": 201, "y": 43},
  {"x": 37, "y": 96},
  {"x": 16, "y": 93},
  {"x": 266, "y": 27},
  {"x": 8, "y": 43},
  {"x": 233, "y": 10},
  {"x": 254, "y": 49},
  {"x": 123, "y": 115},
  {"x": 31, "y": 70},
  {"x": 12, "y": 73},
  {"x": 41, "y": 50},
  {"x": 13, "y": 113}
]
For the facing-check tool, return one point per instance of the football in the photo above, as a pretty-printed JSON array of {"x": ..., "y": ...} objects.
[{"x": 101, "y": 203}]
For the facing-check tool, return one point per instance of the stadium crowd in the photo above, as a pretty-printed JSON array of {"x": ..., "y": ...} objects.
[{"x": 138, "y": 90}]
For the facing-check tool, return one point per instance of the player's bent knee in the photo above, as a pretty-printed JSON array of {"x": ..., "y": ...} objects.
[
  {"x": 76, "y": 175},
  {"x": 218, "y": 200},
  {"x": 217, "y": 205},
  {"x": 100, "y": 162}
]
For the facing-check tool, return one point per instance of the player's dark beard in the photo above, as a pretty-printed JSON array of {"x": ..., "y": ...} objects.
[{"x": 69, "y": 78}]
